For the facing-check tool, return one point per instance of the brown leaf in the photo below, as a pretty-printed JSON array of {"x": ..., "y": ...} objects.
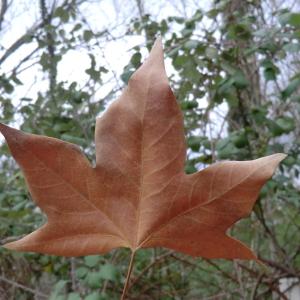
[{"x": 137, "y": 195}]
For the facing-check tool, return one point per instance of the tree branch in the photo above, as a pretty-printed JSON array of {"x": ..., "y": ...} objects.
[{"x": 3, "y": 10}]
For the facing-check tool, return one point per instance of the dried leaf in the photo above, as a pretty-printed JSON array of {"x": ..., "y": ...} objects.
[{"x": 137, "y": 195}]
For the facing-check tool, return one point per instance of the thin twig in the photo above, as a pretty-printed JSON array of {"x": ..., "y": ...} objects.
[
  {"x": 23, "y": 287},
  {"x": 73, "y": 274},
  {"x": 224, "y": 273},
  {"x": 151, "y": 265}
]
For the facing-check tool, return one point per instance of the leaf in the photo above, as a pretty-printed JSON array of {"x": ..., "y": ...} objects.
[
  {"x": 94, "y": 279},
  {"x": 81, "y": 272},
  {"x": 92, "y": 260},
  {"x": 292, "y": 87},
  {"x": 93, "y": 296},
  {"x": 270, "y": 70},
  {"x": 108, "y": 272},
  {"x": 211, "y": 52},
  {"x": 126, "y": 75},
  {"x": 239, "y": 31},
  {"x": 191, "y": 44},
  {"x": 292, "y": 47},
  {"x": 58, "y": 288},
  {"x": 87, "y": 35},
  {"x": 136, "y": 59},
  {"x": 239, "y": 80},
  {"x": 62, "y": 13},
  {"x": 137, "y": 195},
  {"x": 73, "y": 296},
  {"x": 287, "y": 124},
  {"x": 292, "y": 19}
]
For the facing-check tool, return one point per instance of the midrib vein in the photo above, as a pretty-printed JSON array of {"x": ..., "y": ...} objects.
[{"x": 140, "y": 197}]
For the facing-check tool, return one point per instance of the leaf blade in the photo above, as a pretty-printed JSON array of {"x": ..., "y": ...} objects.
[{"x": 210, "y": 215}]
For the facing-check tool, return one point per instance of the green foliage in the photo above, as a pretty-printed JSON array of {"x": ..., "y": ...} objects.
[{"x": 92, "y": 260}]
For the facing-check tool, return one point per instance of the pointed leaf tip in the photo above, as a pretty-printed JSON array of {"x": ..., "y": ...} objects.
[
  {"x": 154, "y": 65},
  {"x": 280, "y": 156},
  {"x": 277, "y": 158},
  {"x": 274, "y": 159},
  {"x": 158, "y": 43},
  {"x": 9, "y": 132},
  {"x": 17, "y": 245},
  {"x": 5, "y": 130},
  {"x": 156, "y": 54},
  {"x": 3, "y": 127},
  {"x": 10, "y": 246}
]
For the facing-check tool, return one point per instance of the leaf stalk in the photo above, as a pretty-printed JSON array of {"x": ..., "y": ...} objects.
[{"x": 126, "y": 284}]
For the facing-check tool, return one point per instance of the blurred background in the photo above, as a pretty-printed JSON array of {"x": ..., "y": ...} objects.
[{"x": 234, "y": 67}]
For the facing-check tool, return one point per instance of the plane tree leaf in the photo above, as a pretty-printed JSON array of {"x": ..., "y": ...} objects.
[{"x": 137, "y": 195}]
